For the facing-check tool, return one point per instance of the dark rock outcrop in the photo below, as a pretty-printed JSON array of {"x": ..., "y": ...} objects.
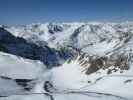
[{"x": 20, "y": 47}]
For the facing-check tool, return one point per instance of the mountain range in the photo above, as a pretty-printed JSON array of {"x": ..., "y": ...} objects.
[{"x": 61, "y": 61}]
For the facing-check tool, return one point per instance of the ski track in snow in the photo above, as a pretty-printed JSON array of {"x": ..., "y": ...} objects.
[{"x": 85, "y": 93}]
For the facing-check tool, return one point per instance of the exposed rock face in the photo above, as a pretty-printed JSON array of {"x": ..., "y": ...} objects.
[
  {"x": 106, "y": 42},
  {"x": 113, "y": 63},
  {"x": 95, "y": 53},
  {"x": 54, "y": 28},
  {"x": 20, "y": 47}
]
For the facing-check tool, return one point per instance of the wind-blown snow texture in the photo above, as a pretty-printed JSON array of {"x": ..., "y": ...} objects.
[{"x": 64, "y": 61}]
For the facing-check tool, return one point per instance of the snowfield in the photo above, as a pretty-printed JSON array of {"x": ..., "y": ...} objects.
[
  {"x": 17, "y": 67},
  {"x": 101, "y": 67},
  {"x": 68, "y": 81}
]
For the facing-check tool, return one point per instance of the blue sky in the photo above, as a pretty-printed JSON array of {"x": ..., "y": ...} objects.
[{"x": 13, "y": 12}]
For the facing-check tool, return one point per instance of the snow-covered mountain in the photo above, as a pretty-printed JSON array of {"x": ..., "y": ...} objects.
[
  {"x": 80, "y": 35},
  {"x": 21, "y": 47},
  {"x": 93, "y": 61}
]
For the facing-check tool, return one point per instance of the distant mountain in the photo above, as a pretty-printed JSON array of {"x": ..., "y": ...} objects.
[
  {"x": 95, "y": 60},
  {"x": 85, "y": 36},
  {"x": 21, "y": 47},
  {"x": 95, "y": 38}
]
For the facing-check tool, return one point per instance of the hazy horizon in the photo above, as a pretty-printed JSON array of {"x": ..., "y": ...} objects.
[{"x": 20, "y": 12}]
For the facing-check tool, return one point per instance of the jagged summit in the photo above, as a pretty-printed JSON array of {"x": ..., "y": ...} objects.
[
  {"x": 89, "y": 37},
  {"x": 92, "y": 59}
]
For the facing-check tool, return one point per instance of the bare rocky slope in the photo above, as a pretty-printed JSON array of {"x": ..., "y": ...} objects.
[{"x": 91, "y": 60}]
